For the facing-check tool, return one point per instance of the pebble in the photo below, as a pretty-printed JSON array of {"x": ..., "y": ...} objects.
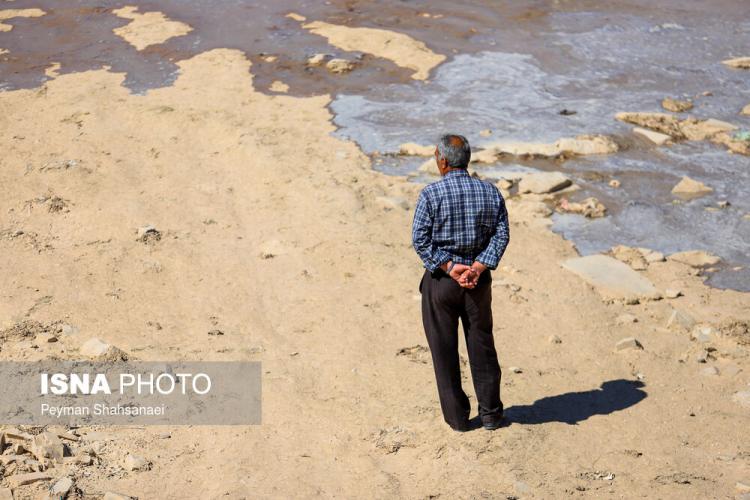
[
  {"x": 672, "y": 293},
  {"x": 614, "y": 183},
  {"x": 515, "y": 369},
  {"x": 554, "y": 339},
  {"x": 628, "y": 343},
  {"x": 681, "y": 319},
  {"x": 702, "y": 357},
  {"x": 626, "y": 318},
  {"x": 339, "y": 66},
  {"x": 135, "y": 463}
]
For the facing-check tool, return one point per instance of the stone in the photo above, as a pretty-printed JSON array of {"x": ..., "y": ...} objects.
[
  {"x": 590, "y": 208},
  {"x": 515, "y": 369},
  {"x": 746, "y": 110},
  {"x": 413, "y": 149},
  {"x": 61, "y": 488},
  {"x": 691, "y": 187},
  {"x": 580, "y": 145},
  {"x": 628, "y": 343},
  {"x": 543, "y": 182},
  {"x": 94, "y": 348},
  {"x": 672, "y": 293},
  {"x": 742, "y": 398},
  {"x": 676, "y": 105},
  {"x": 148, "y": 234},
  {"x": 680, "y": 319},
  {"x": 19, "y": 480},
  {"x": 485, "y": 133},
  {"x": 554, "y": 339},
  {"x": 738, "y": 62},
  {"x": 47, "y": 445},
  {"x": 695, "y": 258},
  {"x": 710, "y": 371},
  {"x": 626, "y": 319},
  {"x": 339, "y": 66},
  {"x": 135, "y": 463},
  {"x": 68, "y": 330},
  {"x": 392, "y": 202},
  {"x": 702, "y": 356},
  {"x": 651, "y": 256},
  {"x": 110, "y": 495},
  {"x": 656, "y": 137},
  {"x": 614, "y": 183},
  {"x": 505, "y": 183},
  {"x": 702, "y": 334},
  {"x": 318, "y": 59},
  {"x": 612, "y": 278},
  {"x": 630, "y": 256},
  {"x": 665, "y": 123}
]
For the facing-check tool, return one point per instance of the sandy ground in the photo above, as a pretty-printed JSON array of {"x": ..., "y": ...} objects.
[{"x": 280, "y": 235}]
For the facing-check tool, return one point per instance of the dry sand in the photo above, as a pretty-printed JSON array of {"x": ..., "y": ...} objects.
[
  {"x": 148, "y": 28},
  {"x": 11, "y": 13},
  {"x": 274, "y": 232}
]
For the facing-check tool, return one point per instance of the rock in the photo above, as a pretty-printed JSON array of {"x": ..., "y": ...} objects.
[
  {"x": 746, "y": 110},
  {"x": 702, "y": 334},
  {"x": 148, "y": 234},
  {"x": 591, "y": 207},
  {"x": 612, "y": 278},
  {"x": 626, "y": 319},
  {"x": 681, "y": 319},
  {"x": 413, "y": 149},
  {"x": 738, "y": 62},
  {"x": 630, "y": 256},
  {"x": 676, "y": 105},
  {"x": 697, "y": 130},
  {"x": 742, "y": 398},
  {"x": 339, "y": 66},
  {"x": 68, "y": 330},
  {"x": 628, "y": 343},
  {"x": 515, "y": 369},
  {"x": 318, "y": 59},
  {"x": 710, "y": 371},
  {"x": 543, "y": 182},
  {"x": 554, "y": 339},
  {"x": 580, "y": 145},
  {"x": 94, "y": 347},
  {"x": 484, "y": 156},
  {"x": 702, "y": 356},
  {"x": 743, "y": 486},
  {"x": 691, "y": 187},
  {"x": 695, "y": 258},
  {"x": 661, "y": 122},
  {"x": 392, "y": 202},
  {"x": 61, "y": 488},
  {"x": 429, "y": 167},
  {"x": 651, "y": 256},
  {"x": 485, "y": 133},
  {"x": 505, "y": 184},
  {"x": 18, "y": 480},
  {"x": 656, "y": 137},
  {"x": 528, "y": 209},
  {"x": 136, "y": 463},
  {"x": 109, "y": 495},
  {"x": 672, "y": 293},
  {"x": 614, "y": 183},
  {"x": 47, "y": 445}
]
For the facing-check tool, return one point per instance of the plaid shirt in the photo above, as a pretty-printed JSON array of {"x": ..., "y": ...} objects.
[{"x": 460, "y": 218}]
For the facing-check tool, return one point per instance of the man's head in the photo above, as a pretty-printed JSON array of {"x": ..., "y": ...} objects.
[{"x": 453, "y": 151}]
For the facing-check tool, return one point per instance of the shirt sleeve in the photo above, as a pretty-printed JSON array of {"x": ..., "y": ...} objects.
[
  {"x": 421, "y": 235},
  {"x": 495, "y": 249}
]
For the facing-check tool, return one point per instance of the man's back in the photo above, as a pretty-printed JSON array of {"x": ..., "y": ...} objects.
[{"x": 462, "y": 218}]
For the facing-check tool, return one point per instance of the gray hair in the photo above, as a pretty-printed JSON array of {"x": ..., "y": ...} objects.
[{"x": 455, "y": 149}]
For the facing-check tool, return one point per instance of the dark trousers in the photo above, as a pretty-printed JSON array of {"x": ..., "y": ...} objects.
[{"x": 444, "y": 301}]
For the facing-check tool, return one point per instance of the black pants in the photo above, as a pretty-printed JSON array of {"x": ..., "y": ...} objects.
[{"x": 444, "y": 301}]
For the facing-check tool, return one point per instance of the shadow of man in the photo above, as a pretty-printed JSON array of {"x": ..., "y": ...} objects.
[{"x": 574, "y": 407}]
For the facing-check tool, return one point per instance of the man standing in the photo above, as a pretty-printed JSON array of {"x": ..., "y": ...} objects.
[{"x": 460, "y": 232}]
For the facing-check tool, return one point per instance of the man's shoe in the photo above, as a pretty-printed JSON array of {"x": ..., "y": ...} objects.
[{"x": 495, "y": 424}]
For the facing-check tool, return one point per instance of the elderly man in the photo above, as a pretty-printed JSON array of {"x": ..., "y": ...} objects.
[{"x": 460, "y": 232}]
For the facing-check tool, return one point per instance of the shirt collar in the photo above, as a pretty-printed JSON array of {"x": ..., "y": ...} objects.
[{"x": 456, "y": 173}]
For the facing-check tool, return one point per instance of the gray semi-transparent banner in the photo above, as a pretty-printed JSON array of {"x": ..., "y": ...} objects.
[{"x": 148, "y": 393}]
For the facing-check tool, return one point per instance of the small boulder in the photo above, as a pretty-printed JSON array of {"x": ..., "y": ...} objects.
[
  {"x": 630, "y": 256},
  {"x": 543, "y": 182},
  {"x": 413, "y": 149},
  {"x": 590, "y": 208},
  {"x": 738, "y": 62},
  {"x": 746, "y": 110},
  {"x": 47, "y": 446},
  {"x": 318, "y": 59},
  {"x": 656, "y": 137},
  {"x": 676, "y": 105},
  {"x": 695, "y": 258},
  {"x": 61, "y": 488},
  {"x": 651, "y": 256},
  {"x": 612, "y": 278},
  {"x": 135, "y": 463},
  {"x": 691, "y": 187},
  {"x": 702, "y": 334},
  {"x": 627, "y": 344},
  {"x": 680, "y": 319},
  {"x": 339, "y": 66}
]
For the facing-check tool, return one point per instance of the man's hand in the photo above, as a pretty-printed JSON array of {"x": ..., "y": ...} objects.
[
  {"x": 457, "y": 271},
  {"x": 470, "y": 277}
]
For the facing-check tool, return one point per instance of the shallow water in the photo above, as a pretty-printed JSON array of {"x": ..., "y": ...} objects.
[{"x": 596, "y": 67}]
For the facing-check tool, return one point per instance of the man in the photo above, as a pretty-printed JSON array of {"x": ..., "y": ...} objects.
[{"x": 460, "y": 232}]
